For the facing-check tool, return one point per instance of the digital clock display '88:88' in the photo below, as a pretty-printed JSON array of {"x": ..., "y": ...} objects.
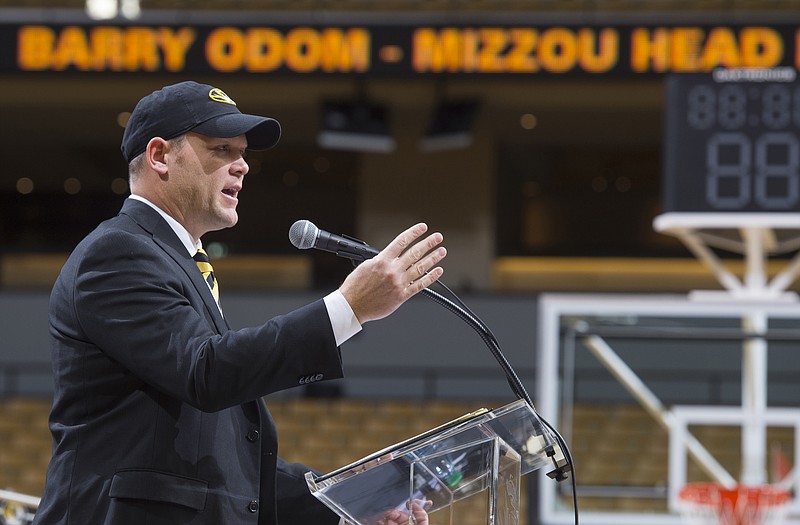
[{"x": 739, "y": 139}]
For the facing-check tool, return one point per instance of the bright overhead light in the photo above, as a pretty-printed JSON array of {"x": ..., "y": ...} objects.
[
  {"x": 130, "y": 9},
  {"x": 108, "y": 9},
  {"x": 102, "y": 9}
]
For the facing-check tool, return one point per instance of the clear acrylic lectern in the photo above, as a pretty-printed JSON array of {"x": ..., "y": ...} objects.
[{"x": 469, "y": 469}]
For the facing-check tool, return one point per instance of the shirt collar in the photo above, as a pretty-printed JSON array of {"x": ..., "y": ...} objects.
[{"x": 184, "y": 236}]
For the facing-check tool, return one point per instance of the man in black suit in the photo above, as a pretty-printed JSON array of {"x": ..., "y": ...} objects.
[{"x": 158, "y": 417}]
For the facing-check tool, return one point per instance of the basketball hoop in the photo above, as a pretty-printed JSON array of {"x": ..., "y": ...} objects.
[{"x": 714, "y": 504}]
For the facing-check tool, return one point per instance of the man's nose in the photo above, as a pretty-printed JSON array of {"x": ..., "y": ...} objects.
[{"x": 240, "y": 167}]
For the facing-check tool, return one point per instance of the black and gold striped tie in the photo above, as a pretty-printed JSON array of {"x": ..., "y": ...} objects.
[{"x": 204, "y": 263}]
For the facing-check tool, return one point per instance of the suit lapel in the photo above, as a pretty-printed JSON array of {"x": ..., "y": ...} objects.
[{"x": 167, "y": 240}]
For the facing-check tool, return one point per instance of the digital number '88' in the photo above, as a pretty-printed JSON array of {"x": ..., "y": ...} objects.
[{"x": 751, "y": 157}]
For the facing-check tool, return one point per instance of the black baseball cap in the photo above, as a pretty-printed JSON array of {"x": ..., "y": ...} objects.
[{"x": 189, "y": 106}]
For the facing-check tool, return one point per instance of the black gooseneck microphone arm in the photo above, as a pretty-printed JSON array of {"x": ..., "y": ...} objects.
[
  {"x": 488, "y": 337},
  {"x": 561, "y": 468}
]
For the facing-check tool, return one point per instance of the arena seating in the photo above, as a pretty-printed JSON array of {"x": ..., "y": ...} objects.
[{"x": 616, "y": 448}]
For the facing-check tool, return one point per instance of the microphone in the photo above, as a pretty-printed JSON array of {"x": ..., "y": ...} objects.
[{"x": 304, "y": 235}]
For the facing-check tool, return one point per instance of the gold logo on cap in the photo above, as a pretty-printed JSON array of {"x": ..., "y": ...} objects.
[{"x": 217, "y": 95}]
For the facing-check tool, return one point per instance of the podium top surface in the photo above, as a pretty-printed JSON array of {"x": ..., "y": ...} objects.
[{"x": 516, "y": 422}]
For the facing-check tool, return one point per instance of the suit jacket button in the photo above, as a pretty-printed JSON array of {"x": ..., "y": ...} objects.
[
  {"x": 253, "y": 506},
  {"x": 252, "y": 436}
]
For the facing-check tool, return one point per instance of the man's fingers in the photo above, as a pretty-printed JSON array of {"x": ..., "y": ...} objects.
[
  {"x": 423, "y": 282},
  {"x": 422, "y": 268},
  {"x": 404, "y": 240},
  {"x": 416, "y": 258},
  {"x": 419, "y": 257}
]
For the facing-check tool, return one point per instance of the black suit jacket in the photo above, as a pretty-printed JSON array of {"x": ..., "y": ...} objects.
[{"x": 157, "y": 416}]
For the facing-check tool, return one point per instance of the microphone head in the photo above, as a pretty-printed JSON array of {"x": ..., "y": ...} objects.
[{"x": 303, "y": 234}]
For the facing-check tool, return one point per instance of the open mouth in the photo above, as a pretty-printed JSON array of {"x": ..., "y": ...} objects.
[{"x": 231, "y": 192}]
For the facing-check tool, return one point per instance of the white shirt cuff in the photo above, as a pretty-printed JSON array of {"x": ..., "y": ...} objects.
[{"x": 343, "y": 320}]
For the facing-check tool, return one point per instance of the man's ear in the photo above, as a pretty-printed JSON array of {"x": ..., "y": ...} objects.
[{"x": 156, "y": 155}]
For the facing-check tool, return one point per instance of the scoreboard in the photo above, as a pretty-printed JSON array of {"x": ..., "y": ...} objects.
[{"x": 732, "y": 141}]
